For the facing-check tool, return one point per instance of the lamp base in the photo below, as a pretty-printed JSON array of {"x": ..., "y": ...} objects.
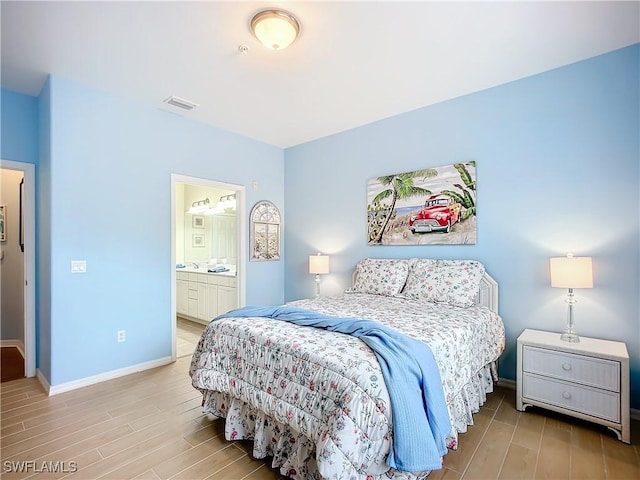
[
  {"x": 570, "y": 337},
  {"x": 570, "y": 334}
]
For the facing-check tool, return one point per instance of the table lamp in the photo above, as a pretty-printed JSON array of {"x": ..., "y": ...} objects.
[
  {"x": 318, "y": 264},
  {"x": 571, "y": 272}
]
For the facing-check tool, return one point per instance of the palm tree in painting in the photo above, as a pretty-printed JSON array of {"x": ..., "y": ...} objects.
[
  {"x": 401, "y": 187},
  {"x": 467, "y": 197}
]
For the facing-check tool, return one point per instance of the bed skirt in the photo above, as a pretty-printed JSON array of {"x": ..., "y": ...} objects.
[{"x": 295, "y": 454}]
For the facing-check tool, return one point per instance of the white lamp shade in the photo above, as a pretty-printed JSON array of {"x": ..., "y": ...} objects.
[
  {"x": 571, "y": 272},
  {"x": 276, "y": 29},
  {"x": 318, "y": 264}
]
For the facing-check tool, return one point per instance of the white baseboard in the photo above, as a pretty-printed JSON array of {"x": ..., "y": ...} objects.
[
  {"x": 84, "y": 382},
  {"x": 507, "y": 383},
  {"x": 13, "y": 343},
  {"x": 43, "y": 381}
]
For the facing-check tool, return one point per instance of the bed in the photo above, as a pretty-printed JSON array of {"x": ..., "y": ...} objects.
[{"x": 316, "y": 400}]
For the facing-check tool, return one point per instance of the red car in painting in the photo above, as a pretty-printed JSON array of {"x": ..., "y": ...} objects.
[{"x": 439, "y": 213}]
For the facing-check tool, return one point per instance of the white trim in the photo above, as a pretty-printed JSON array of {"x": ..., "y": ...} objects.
[
  {"x": 241, "y": 245},
  {"x": 13, "y": 343},
  {"x": 102, "y": 377},
  {"x": 43, "y": 381},
  {"x": 29, "y": 172}
]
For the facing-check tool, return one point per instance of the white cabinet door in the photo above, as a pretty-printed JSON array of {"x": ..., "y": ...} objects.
[
  {"x": 192, "y": 309},
  {"x": 182, "y": 297},
  {"x": 212, "y": 302},
  {"x": 226, "y": 299},
  {"x": 203, "y": 301}
]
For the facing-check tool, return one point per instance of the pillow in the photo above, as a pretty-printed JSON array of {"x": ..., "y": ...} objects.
[
  {"x": 423, "y": 280},
  {"x": 381, "y": 276},
  {"x": 454, "y": 282}
]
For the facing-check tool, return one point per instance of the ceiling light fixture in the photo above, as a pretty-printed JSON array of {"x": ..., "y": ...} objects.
[{"x": 276, "y": 29}]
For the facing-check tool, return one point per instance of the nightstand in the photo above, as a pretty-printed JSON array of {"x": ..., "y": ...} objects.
[{"x": 587, "y": 380}]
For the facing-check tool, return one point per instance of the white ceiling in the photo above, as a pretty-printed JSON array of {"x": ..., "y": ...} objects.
[{"x": 354, "y": 63}]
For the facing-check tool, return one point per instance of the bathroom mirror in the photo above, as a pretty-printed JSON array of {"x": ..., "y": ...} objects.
[{"x": 207, "y": 228}]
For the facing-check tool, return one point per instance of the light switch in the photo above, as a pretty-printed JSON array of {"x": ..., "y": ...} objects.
[{"x": 78, "y": 266}]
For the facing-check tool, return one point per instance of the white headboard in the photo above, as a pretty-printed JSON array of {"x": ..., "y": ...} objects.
[{"x": 488, "y": 294}]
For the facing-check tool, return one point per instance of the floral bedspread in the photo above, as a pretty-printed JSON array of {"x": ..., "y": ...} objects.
[{"x": 316, "y": 400}]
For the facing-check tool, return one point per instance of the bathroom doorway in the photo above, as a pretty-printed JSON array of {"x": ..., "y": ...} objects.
[
  {"x": 208, "y": 235},
  {"x": 17, "y": 251}
]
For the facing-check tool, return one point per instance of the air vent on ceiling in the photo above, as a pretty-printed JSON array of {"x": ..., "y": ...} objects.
[{"x": 181, "y": 103}]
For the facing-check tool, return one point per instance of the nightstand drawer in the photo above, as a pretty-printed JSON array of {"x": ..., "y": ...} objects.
[
  {"x": 590, "y": 401},
  {"x": 595, "y": 372}
]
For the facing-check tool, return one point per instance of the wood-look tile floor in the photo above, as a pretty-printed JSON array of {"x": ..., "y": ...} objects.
[
  {"x": 187, "y": 336},
  {"x": 149, "y": 426}
]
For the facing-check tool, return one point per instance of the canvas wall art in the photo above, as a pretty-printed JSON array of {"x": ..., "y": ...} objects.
[{"x": 432, "y": 206}]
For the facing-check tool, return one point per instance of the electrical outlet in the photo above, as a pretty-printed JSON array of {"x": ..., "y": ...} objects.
[{"x": 122, "y": 336}]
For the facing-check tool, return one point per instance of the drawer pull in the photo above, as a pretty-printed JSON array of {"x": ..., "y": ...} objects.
[
  {"x": 566, "y": 367},
  {"x": 566, "y": 395}
]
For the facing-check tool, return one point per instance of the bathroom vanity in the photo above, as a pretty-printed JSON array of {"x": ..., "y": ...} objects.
[{"x": 201, "y": 296}]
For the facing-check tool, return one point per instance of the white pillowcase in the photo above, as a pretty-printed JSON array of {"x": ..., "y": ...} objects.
[
  {"x": 381, "y": 276},
  {"x": 454, "y": 282}
]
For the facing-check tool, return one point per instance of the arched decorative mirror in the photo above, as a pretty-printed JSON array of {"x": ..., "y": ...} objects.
[{"x": 265, "y": 232}]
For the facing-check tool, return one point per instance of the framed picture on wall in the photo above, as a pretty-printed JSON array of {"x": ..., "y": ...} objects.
[
  {"x": 431, "y": 206},
  {"x": 265, "y": 232},
  {"x": 3, "y": 223},
  {"x": 21, "y": 227},
  {"x": 197, "y": 240},
  {"x": 198, "y": 221}
]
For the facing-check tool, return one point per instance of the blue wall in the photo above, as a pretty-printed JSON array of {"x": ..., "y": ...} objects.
[
  {"x": 557, "y": 165},
  {"x": 19, "y": 142},
  {"x": 106, "y": 174},
  {"x": 557, "y": 169},
  {"x": 18, "y": 127}
]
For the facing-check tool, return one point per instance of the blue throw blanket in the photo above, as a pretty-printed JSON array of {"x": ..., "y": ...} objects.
[{"x": 420, "y": 416}]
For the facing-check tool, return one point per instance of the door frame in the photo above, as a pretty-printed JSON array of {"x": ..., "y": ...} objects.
[
  {"x": 241, "y": 242},
  {"x": 29, "y": 172}
]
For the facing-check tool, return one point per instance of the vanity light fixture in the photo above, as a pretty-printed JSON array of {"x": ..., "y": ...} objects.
[
  {"x": 201, "y": 206},
  {"x": 275, "y": 28},
  {"x": 318, "y": 264},
  {"x": 571, "y": 272},
  {"x": 226, "y": 202}
]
